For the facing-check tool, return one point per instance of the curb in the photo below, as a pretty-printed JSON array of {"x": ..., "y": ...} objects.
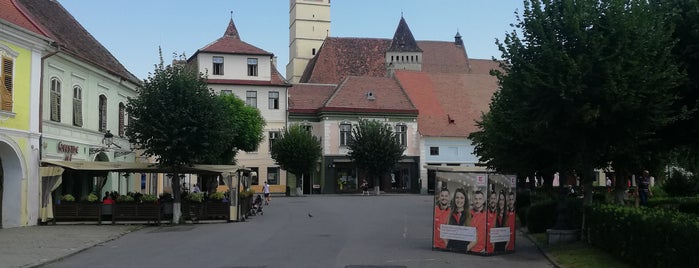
[{"x": 541, "y": 249}]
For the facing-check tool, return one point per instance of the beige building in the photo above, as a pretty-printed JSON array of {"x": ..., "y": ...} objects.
[
  {"x": 233, "y": 66},
  {"x": 310, "y": 25}
]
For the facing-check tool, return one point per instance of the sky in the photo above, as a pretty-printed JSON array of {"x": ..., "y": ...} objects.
[{"x": 133, "y": 30}]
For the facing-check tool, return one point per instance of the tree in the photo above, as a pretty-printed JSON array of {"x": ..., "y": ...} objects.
[
  {"x": 586, "y": 83},
  {"x": 374, "y": 148},
  {"x": 297, "y": 151},
  {"x": 178, "y": 120},
  {"x": 245, "y": 128}
]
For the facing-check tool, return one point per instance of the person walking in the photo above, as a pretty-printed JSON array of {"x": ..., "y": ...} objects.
[
  {"x": 643, "y": 188},
  {"x": 365, "y": 187},
  {"x": 265, "y": 191}
]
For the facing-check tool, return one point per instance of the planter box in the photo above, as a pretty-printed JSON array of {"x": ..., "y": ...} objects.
[
  {"x": 206, "y": 211},
  {"x": 137, "y": 211},
  {"x": 74, "y": 211}
]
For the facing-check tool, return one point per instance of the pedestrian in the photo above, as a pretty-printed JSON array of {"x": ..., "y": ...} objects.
[
  {"x": 265, "y": 191},
  {"x": 365, "y": 187},
  {"x": 643, "y": 188}
]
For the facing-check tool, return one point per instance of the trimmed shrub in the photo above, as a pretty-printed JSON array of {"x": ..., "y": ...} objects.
[
  {"x": 543, "y": 215},
  {"x": 680, "y": 184}
]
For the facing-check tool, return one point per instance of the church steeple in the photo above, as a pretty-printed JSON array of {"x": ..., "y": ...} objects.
[
  {"x": 457, "y": 39},
  {"x": 231, "y": 31},
  {"x": 403, "y": 40},
  {"x": 404, "y": 53}
]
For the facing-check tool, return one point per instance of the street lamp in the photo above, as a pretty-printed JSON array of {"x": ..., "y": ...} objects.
[{"x": 108, "y": 138}]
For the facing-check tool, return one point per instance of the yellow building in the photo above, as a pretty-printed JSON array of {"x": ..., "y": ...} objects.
[{"x": 22, "y": 45}]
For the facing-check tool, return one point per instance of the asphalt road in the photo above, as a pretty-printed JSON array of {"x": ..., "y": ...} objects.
[{"x": 344, "y": 231}]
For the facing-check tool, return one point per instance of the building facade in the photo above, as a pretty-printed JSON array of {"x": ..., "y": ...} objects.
[
  {"x": 310, "y": 25},
  {"x": 449, "y": 89},
  {"x": 22, "y": 45},
  {"x": 233, "y": 66}
]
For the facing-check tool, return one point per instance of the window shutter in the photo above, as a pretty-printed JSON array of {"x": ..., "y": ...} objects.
[
  {"x": 55, "y": 107},
  {"x": 77, "y": 113},
  {"x": 7, "y": 81}
]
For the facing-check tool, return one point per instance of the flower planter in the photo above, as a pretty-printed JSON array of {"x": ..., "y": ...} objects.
[
  {"x": 137, "y": 212},
  {"x": 194, "y": 211},
  {"x": 75, "y": 211}
]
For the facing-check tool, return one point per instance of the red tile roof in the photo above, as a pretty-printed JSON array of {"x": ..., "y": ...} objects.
[
  {"x": 340, "y": 57},
  {"x": 449, "y": 103},
  {"x": 230, "y": 43},
  {"x": 308, "y": 98},
  {"x": 73, "y": 38},
  {"x": 15, "y": 14},
  {"x": 352, "y": 95}
]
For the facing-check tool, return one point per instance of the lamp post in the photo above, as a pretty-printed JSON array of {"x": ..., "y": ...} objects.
[{"x": 108, "y": 138}]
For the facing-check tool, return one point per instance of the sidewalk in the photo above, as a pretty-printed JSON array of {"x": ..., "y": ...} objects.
[{"x": 36, "y": 245}]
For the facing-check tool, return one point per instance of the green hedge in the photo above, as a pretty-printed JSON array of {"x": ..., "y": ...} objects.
[
  {"x": 647, "y": 237},
  {"x": 543, "y": 215}
]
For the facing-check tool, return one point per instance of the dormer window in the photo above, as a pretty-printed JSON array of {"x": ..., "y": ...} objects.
[
  {"x": 252, "y": 67},
  {"x": 218, "y": 65}
]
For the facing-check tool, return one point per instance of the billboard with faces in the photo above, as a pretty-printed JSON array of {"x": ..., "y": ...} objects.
[{"x": 474, "y": 211}]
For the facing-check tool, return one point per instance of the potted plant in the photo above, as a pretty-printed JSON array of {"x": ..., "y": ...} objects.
[
  {"x": 67, "y": 198},
  {"x": 217, "y": 196},
  {"x": 125, "y": 199},
  {"x": 195, "y": 197},
  {"x": 149, "y": 198},
  {"x": 91, "y": 198}
]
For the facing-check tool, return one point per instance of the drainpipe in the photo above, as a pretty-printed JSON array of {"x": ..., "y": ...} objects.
[{"x": 41, "y": 97}]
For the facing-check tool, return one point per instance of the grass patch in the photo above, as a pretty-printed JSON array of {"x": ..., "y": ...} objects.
[{"x": 577, "y": 254}]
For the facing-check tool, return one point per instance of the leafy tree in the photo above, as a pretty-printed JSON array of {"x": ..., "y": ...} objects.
[
  {"x": 296, "y": 151},
  {"x": 585, "y": 84},
  {"x": 245, "y": 128},
  {"x": 374, "y": 148},
  {"x": 178, "y": 120}
]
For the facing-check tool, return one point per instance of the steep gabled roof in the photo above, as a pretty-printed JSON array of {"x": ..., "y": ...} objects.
[
  {"x": 230, "y": 43},
  {"x": 14, "y": 14},
  {"x": 403, "y": 40},
  {"x": 73, "y": 38},
  {"x": 367, "y": 94},
  {"x": 449, "y": 103},
  {"x": 340, "y": 57}
]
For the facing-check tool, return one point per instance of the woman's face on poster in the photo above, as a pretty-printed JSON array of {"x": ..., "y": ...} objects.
[{"x": 459, "y": 200}]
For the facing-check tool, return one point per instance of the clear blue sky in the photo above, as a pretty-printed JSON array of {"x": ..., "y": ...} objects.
[{"x": 132, "y": 30}]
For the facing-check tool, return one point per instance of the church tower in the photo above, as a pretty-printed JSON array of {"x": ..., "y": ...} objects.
[
  {"x": 309, "y": 26},
  {"x": 403, "y": 54}
]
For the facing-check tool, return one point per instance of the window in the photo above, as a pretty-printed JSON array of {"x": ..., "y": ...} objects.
[
  {"x": 313, "y": 51},
  {"x": 7, "y": 67},
  {"x": 251, "y": 98},
  {"x": 226, "y": 92},
  {"x": 77, "y": 106},
  {"x": 273, "y": 175},
  {"x": 252, "y": 67},
  {"x": 218, "y": 65},
  {"x": 103, "y": 114},
  {"x": 55, "y": 100},
  {"x": 307, "y": 128},
  {"x": 122, "y": 113},
  {"x": 274, "y": 100},
  {"x": 434, "y": 150},
  {"x": 255, "y": 178},
  {"x": 401, "y": 134},
  {"x": 345, "y": 132},
  {"x": 273, "y": 135}
]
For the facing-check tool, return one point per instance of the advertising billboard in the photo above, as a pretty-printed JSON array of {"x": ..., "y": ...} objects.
[{"x": 474, "y": 211}]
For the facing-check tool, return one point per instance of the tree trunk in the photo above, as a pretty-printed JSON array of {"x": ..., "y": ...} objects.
[
  {"x": 299, "y": 186},
  {"x": 176, "y": 211}
]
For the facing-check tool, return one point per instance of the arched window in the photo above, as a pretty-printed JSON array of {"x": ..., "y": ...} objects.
[
  {"x": 77, "y": 106},
  {"x": 55, "y": 99},
  {"x": 103, "y": 114},
  {"x": 122, "y": 111}
]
